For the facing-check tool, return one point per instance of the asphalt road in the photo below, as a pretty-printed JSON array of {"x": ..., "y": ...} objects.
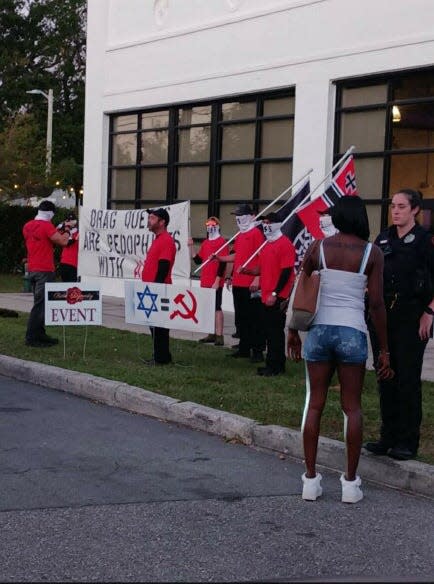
[{"x": 91, "y": 493}]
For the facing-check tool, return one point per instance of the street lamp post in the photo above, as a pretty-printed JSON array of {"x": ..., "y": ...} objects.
[{"x": 49, "y": 98}]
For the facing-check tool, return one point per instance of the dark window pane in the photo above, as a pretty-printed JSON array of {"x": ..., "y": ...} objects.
[
  {"x": 277, "y": 138},
  {"x": 238, "y": 110},
  {"x": 275, "y": 178},
  {"x": 123, "y": 185},
  {"x": 414, "y": 171},
  {"x": 355, "y": 96},
  {"x": 369, "y": 177},
  {"x": 194, "y": 144},
  {"x": 236, "y": 181},
  {"x": 238, "y": 141},
  {"x": 124, "y": 123},
  {"x": 413, "y": 126},
  {"x": 154, "y": 147},
  {"x": 414, "y": 86},
  {"x": 154, "y": 183},
  {"x": 193, "y": 182},
  {"x": 366, "y": 130},
  {"x": 124, "y": 149},
  {"x": 153, "y": 120},
  {"x": 194, "y": 115},
  {"x": 281, "y": 106},
  {"x": 199, "y": 214}
]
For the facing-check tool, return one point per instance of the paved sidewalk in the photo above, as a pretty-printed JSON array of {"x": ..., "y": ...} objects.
[{"x": 413, "y": 476}]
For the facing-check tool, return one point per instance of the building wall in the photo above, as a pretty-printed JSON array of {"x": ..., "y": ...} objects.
[{"x": 146, "y": 54}]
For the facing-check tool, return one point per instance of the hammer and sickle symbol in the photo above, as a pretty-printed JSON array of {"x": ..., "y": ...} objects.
[{"x": 189, "y": 312}]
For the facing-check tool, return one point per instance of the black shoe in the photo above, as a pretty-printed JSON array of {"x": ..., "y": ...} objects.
[
  {"x": 154, "y": 363},
  {"x": 257, "y": 357},
  {"x": 238, "y": 355},
  {"x": 38, "y": 343},
  {"x": 48, "y": 340},
  {"x": 267, "y": 372},
  {"x": 380, "y": 448},
  {"x": 401, "y": 453},
  {"x": 236, "y": 335}
]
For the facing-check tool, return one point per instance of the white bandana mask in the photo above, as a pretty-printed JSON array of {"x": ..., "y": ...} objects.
[
  {"x": 272, "y": 231},
  {"x": 326, "y": 225},
  {"x": 245, "y": 222},
  {"x": 44, "y": 215},
  {"x": 213, "y": 232}
]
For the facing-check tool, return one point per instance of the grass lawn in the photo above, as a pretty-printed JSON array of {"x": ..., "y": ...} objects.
[
  {"x": 202, "y": 374},
  {"x": 11, "y": 283}
]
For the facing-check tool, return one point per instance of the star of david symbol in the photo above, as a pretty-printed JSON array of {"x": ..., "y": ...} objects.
[{"x": 150, "y": 305}]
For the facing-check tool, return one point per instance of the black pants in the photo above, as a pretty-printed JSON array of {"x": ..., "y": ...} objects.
[
  {"x": 274, "y": 326},
  {"x": 248, "y": 313},
  {"x": 35, "y": 324},
  {"x": 160, "y": 338},
  {"x": 68, "y": 273},
  {"x": 401, "y": 397}
]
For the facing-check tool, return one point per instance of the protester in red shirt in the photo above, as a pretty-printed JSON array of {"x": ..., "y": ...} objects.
[
  {"x": 245, "y": 287},
  {"x": 212, "y": 274},
  {"x": 69, "y": 258},
  {"x": 40, "y": 236},
  {"x": 158, "y": 268},
  {"x": 276, "y": 270}
]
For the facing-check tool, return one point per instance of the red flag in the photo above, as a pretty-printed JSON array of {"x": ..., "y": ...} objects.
[
  {"x": 345, "y": 178},
  {"x": 309, "y": 214}
]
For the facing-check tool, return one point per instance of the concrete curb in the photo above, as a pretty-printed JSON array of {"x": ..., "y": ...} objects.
[{"x": 413, "y": 476}]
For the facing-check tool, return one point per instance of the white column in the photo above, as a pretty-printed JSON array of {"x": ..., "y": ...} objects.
[{"x": 314, "y": 129}]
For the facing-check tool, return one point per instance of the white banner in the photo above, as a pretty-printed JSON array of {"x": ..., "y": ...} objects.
[
  {"x": 169, "y": 306},
  {"x": 69, "y": 303},
  {"x": 114, "y": 244}
]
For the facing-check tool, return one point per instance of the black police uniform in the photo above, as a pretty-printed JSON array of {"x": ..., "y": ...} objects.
[{"x": 408, "y": 289}]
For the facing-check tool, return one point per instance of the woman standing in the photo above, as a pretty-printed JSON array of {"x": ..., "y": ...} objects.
[
  {"x": 337, "y": 339},
  {"x": 408, "y": 251}
]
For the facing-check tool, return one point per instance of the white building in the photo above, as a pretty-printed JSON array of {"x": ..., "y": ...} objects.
[{"x": 227, "y": 101}]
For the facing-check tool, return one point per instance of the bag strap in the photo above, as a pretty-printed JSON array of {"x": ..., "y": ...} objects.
[
  {"x": 365, "y": 258},
  {"x": 321, "y": 256}
]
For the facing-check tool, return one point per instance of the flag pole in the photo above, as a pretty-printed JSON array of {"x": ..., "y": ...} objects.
[
  {"x": 302, "y": 202},
  {"x": 256, "y": 217}
]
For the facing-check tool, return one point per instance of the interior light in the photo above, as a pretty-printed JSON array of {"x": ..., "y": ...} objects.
[{"x": 396, "y": 114}]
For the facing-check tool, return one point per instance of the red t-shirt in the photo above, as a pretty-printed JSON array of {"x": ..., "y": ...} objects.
[
  {"x": 274, "y": 257},
  {"x": 209, "y": 272},
  {"x": 70, "y": 253},
  {"x": 39, "y": 246},
  {"x": 245, "y": 245},
  {"x": 162, "y": 248}
]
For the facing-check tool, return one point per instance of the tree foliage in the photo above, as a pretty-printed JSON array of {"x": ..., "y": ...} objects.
[{"x": 42, "y": 47}]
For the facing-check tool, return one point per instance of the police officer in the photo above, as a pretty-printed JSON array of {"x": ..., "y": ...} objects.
[{"x": 408, "y": 292}]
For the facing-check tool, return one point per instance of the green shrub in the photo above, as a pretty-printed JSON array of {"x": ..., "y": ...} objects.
[{"x": 12, "y": 248}]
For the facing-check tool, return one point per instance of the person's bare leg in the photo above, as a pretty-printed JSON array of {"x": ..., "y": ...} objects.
[
  {"x": 351, "y": 378},
  {"x": 318, "y": 376}
]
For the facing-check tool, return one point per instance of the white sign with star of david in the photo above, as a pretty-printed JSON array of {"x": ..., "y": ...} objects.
[{"x": 170, "y": 306}]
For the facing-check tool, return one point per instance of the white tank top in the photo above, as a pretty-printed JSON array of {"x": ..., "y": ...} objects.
[{"x": 342, "y": 295}]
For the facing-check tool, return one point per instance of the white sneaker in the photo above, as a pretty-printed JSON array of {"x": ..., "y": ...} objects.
[
  {"x": 351, "y": 491},
  {"x": 311, "y": 487}
]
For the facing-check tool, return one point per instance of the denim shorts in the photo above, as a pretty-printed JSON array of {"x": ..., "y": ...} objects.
[{"x": 339, "y": 344}]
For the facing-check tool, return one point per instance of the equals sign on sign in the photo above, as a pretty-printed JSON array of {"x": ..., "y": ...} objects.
[{"x": 164, "y": 304}]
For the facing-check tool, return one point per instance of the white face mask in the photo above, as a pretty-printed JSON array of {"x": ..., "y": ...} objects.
[
  {"x": 272, "y": 231},
  {"x": 213, "y": 232},
  {"x": 326, "y": 225},
  {"x": 245, "y": 222},
  {"x": 44, "y": 215}
]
